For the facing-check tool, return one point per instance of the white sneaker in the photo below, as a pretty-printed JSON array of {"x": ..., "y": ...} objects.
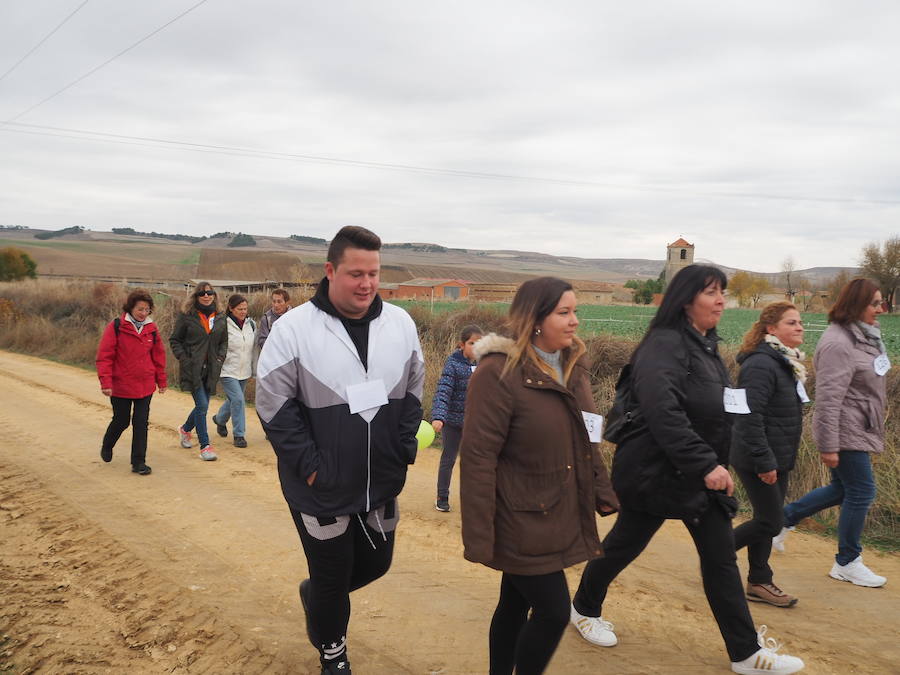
[
  {"x": 207, "y": 454},
  {"x": 778, "y": 539},
  {"x": 857, "y": 573},
  {"x": 594, "y": 629},
  {"x": 185, "y": 438},
  {"x": 767, "y": 661}
]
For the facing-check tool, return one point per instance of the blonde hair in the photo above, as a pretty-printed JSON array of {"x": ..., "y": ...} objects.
[
  {"x": 770, "y": 316},
  {"x": 534, "y": 301}
]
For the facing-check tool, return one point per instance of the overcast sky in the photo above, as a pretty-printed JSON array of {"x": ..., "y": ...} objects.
[{"x": 755, "y": 130}]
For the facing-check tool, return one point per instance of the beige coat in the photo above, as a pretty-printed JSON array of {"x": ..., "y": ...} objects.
[
  {"x": 850, "y": 396},
  {"x": 531, "y": 481}
]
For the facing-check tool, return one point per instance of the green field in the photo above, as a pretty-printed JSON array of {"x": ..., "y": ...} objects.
[{"x": 631, "y": 322}]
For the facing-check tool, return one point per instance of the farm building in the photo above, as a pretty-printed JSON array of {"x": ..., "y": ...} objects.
[
  {"x": 492, "y": 292},
  {"x": 594, "y": 292},
  {"x": 388, "y": 291},
  {"x": 432, "y": 289}
]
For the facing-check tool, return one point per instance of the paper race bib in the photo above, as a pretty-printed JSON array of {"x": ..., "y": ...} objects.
[
  {"x": 473, "y": 368},
  {"x": 366, "y": 398},
  {"x": 801, "y": 392},
  {"x": 882, "y": 365},
  {"x": 735, "y": 401},
  {"x": 594, "y": 425}
]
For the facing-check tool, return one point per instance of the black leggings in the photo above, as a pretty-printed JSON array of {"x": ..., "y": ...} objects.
[
  {"x": 343, "y": 554},
  {"x": 713, "y": 539},
  {"x": 768, "y": 519},
  {"x": 520, "y": 642},
  {"x": 122, "y": 417}
]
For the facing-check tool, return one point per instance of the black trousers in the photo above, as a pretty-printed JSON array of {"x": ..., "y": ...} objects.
[
  {"x": 139, "y": 420},
  {"x": 768, "y": 519},
  {"x": 714, "y": 540},
  {"x": 343, "y": 553},
  {"x": 520, "y": 642}
]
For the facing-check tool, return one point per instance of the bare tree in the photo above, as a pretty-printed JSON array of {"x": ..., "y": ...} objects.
[
  {"x": 834, "y": 286},
  {"x": 806, "y": 294},
  {"x": 882, "y": 264},
  {"x": 788, "y": 267}
]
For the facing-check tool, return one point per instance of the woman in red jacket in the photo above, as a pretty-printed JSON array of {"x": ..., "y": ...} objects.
[{"x": 131, "y": 363}]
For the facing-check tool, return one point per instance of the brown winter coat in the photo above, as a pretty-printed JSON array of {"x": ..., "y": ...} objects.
[
  {"x": 850, "y": 396},
  {"x": 531, "y": 482}
]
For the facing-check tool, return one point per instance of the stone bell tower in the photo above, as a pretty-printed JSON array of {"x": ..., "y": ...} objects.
[{"x": 679, "y": 254}]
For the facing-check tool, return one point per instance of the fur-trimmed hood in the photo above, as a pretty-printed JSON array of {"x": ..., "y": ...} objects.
[{"x": 493, "y": 344}]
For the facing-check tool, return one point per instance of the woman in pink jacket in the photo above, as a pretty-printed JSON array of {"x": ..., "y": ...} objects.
[
  {"x": 131, "y": 364},
  {"x": 848, "y": 424}
]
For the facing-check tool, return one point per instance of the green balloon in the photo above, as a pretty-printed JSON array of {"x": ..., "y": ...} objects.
[{"x": 425, "y": 435}]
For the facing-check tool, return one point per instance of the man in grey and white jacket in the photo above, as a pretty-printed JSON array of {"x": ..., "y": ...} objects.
[{"x": 339, "y": 390}]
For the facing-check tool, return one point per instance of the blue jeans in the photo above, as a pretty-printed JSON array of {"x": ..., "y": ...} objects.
[
  {"x": 233, "y": 407},
  {"x": 197, "y": 416},
  {"x": 853, "y": 488}
]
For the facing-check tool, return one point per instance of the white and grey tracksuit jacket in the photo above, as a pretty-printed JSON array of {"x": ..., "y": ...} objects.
[{"x": 306, "y": 366}]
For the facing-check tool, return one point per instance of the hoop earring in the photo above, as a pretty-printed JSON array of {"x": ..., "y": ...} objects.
[{"x": 537, "y": 331}]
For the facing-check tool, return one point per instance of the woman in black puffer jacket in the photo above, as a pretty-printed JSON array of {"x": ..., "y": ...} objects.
[
  {"x": 765, "y": 442},
  {"x": 671, "y": 465}
]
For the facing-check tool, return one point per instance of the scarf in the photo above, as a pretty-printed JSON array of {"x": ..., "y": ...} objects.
[
  {"x": 138, "y": 325},
  {"x": 872, "y": 335},
  {"x": 239, "y": 322},
  {"x": 205, "y": 309},
  {"x": 794, "y": 357}
]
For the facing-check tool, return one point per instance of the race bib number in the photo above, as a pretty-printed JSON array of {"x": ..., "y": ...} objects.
[
  {"x": 801, "y": 392},
  {"x": 594, "y": 425},
  {"x": 882, "y": 365},
  {"x": 366, "y": 398},
  {"x": 735, "y": 401}
]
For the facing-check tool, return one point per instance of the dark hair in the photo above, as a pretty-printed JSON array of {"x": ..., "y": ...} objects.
[
  {"x": 852, "y": 301},
  {"x": 352, "y": 236},
  {"x": 469, "y": 331},
  {"x": 234, "y": 300},
  {"x": 283, "y": 293},
  {"x": 191, "y": 301},
  {"x": 135, "y": 297},
  {"x": 681, "y": 291}
]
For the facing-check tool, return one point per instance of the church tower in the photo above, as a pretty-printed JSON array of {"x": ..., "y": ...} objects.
[{"x": 679, "y": 254}]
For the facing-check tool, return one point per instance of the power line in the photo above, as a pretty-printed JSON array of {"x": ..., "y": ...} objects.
[
  {"x": 43, "y": 40},
  {"x": 151, "y": 142},
  {"x": 105, "y": 63}
]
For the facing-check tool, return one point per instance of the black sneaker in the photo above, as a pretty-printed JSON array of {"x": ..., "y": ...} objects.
[
  {"x": 106, "y": 454},
  {"x": 337, "y": 668},
  {"x": 304, "y": 592},
  {"x": 240, "y": 442},
  {"x": 221, "y": 429},
  {"x": 141, "y": 469},
  {"x": 442, "y": 505}
]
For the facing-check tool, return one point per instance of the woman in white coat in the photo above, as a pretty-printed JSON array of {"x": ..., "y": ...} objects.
[{"x": 237, "y": 369}]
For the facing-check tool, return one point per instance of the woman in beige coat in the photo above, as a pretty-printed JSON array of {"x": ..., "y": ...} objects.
[
  {"x": 848, "y": 424},
  {"x": 532, "y": 480}
]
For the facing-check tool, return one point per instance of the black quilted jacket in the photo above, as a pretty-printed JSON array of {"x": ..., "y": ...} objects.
[{"x": 769, "y": 436}]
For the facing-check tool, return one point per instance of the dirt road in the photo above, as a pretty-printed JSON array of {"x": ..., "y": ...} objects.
[{"x": 195, "y": 568}]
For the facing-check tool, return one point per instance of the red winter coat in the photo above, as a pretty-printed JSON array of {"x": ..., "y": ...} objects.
[{"x": 131, "y": 365}]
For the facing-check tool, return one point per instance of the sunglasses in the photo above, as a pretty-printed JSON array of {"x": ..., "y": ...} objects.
[{"x": 205, "y": 293}]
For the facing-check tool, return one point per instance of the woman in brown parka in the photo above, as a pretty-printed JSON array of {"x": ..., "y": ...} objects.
[{"x": 531, "y": 479}]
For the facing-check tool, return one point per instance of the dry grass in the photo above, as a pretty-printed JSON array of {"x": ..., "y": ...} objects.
[{"x": 63, "y": 321}]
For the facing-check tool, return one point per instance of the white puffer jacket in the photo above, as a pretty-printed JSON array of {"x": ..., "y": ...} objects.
[{"x": 239, "y": 359}]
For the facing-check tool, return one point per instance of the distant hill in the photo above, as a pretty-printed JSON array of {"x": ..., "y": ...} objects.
[{"x": 93, "y": 254}]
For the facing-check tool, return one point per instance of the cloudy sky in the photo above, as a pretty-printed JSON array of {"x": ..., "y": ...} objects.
[{"x": 597, "y": 129}]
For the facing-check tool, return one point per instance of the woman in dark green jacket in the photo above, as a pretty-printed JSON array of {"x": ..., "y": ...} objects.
[{"x": 199, "y": 342}]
